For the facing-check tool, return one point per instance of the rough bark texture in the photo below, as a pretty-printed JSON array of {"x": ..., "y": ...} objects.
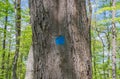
[
  {"x": 51, "y": 18},
  {"x": 30, "y": 63},
  {"x": 18, "y": 33},
  {"x": 113, "y": 42}
]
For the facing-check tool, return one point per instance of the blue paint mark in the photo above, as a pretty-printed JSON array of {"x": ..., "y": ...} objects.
[{"x": 60, "y": 40}]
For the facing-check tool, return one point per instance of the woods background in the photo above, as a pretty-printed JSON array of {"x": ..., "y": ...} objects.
[{"x": 16, "y": 35}]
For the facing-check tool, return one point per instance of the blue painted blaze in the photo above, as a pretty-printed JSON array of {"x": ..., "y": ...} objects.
[{"x": 60, "y": 40}]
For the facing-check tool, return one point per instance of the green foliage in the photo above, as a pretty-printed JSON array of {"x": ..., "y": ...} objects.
[
  {"x": 109, "y": 8},
  {"x": 102, "y": 21},
  {"x": 7, "y": 9},
  {"x": 109, "y": 20},
  {"x": 26, "y": 40}
]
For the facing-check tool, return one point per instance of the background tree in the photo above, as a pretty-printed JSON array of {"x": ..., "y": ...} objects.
[
  {"x": 18, "y": 34},
  {"x": 10, "y": 39},
  {"x": 113, "y": 42},
  {"x": 4, "y": 38},
  {"x": 103, "y": 22}
]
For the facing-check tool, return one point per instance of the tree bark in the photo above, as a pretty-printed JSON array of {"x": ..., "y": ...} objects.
[
  {"x": 113, "y": 42},
  {"x": 18, "y": 33},
  {"x": 29, "y": 66},
  {"x": 68, "y": 18},
  {"x": 8, "y": 68},
  {"x": 4, "y": 41}
]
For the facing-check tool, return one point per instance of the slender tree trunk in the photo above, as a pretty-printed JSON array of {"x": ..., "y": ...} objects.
[
  {"x": 103, "y": 49},
  {"x": 94, "y": 59},
  {"x": 107, "y": 34},
  {"x": 8, "y": 70},
  {"x": 50, "y": 20},
  {"x": 96, "y": 71},
  {"x": 4, "y": 46},
  {"x": 20, "y": 67},
  {"x": 29, "y": 67},
  {"x": 4, "y": 41},
  {"x": 113, "y": 42},
  {"x": 108, "y": 48},
  {"x": 18, "y": 32}
]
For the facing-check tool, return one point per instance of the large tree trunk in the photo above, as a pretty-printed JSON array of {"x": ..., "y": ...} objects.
[
  {"x": 52, "y": 18},
  {"x": 18, "y": 33}
]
